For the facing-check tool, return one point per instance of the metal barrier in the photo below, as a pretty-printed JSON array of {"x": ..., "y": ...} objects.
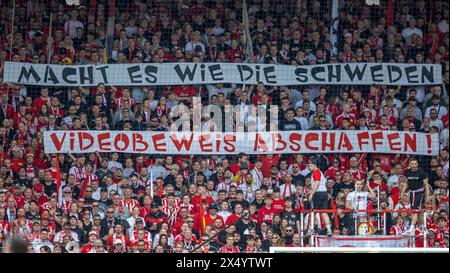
[{"x": 308, "y": 218}]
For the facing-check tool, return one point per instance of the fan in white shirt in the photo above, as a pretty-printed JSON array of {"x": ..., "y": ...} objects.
[
  {"x": 287, "y": 189},
  {"x": 358, "y": 199}
]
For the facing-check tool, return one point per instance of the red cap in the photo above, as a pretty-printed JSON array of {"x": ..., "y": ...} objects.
[
  {"x": 39, "y": 188},
  {"x": 140, "y": 191}
]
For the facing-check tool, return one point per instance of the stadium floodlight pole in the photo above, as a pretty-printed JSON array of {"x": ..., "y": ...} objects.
[{"x": 220, "y": 232}]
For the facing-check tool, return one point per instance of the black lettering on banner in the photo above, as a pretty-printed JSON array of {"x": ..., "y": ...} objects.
[
  {"x": 151, "y": 71},
  {"x": 102, "y": 70},
  {"x": 242, "y": 69},
  {"x": 27, "y": 73},
  {"x": 49, "y": 75},
  {"x": 336, "y": 76},
  {"x": 394, "y": 69},
  {"x": 429, "y": 74},
  {"x": 90, "y": 74},
  {"x": 359, "y": 73},
  {"x": 67, "y": 72},
  {"x": 267, "y": 70},
  {"x": 216, "y": 76},
  {"x": 316, "y": 70},
  {"x": 131, "y": 71},
  {"x": 408, "y": 71},
  {"x": 187, "y": 71},
  {"x": 301, "y": 74},
  {"x": 377, "y": 77}
]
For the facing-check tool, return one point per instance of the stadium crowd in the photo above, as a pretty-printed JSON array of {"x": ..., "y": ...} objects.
[{"x": 106, "y": 203}]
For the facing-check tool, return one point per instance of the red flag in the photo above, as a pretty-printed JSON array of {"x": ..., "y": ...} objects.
[
  {"x": 202, "y": 220},
  {"x": 390, "y": 13},
  {"x": 58, "y": 181}
]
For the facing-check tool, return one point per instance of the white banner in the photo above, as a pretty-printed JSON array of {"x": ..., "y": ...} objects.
[
  {"x": 211, "y": 73},
  {"x": 391, "y": 142},
  {"x": 363, "y": 241}
]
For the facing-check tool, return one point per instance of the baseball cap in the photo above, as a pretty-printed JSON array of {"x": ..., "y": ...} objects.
[
  {"x": 39, "y": 188},
  {"x": 154, "y": 205},
  {"x": 93, "y": 233},
  {"x": 118, "y": 242},
  {"x": 139, "y": 220}
]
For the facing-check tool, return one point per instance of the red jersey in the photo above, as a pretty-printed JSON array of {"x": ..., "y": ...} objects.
[
  {"x": 267, "y": 163},
  {"x": 278, "y": 205},
  {"x": 185, "y": 91},
  {"x": 226, "y": 249},
  {"x": 130, "y": 204},
  {"x": 265, "y": 214},
  {"x": 38, "y": 102}
]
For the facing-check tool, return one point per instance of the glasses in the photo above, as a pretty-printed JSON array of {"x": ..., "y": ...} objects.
[
  {"x": 275, "y": 237},
  {"x": 288, "y": 230},
  {"x": 97, "y": 219}
]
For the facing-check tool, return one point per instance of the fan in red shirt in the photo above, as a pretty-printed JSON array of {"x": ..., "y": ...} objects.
[
  {"x": 266, "y": 212},
  {"x": 278, "y": 202},
  {"x": 355, "y": 171},
  {"x": 16, "y": 161},
  {"x": 238, "y": 212},
  {"x": 212, "y": 215},
  {"x": 43, "y": 99},
  {"x": 185, "y": 92},
  {"x": 39, "y": 195},
  {"x": 267, "y": 162},
  {"x": 346, "y": 113},
  {"x": 201, "y": 195},
  {"x": 229, "y": 247},
  {"x": 87, "y": 248},
  {"x": 118, "y": 235},
  {"x": 376, "y": 181}
]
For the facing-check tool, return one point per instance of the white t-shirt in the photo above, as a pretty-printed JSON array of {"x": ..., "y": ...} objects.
[
  {"x": 358, "y": 200},
  {"x": 392, "y": 181}
]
